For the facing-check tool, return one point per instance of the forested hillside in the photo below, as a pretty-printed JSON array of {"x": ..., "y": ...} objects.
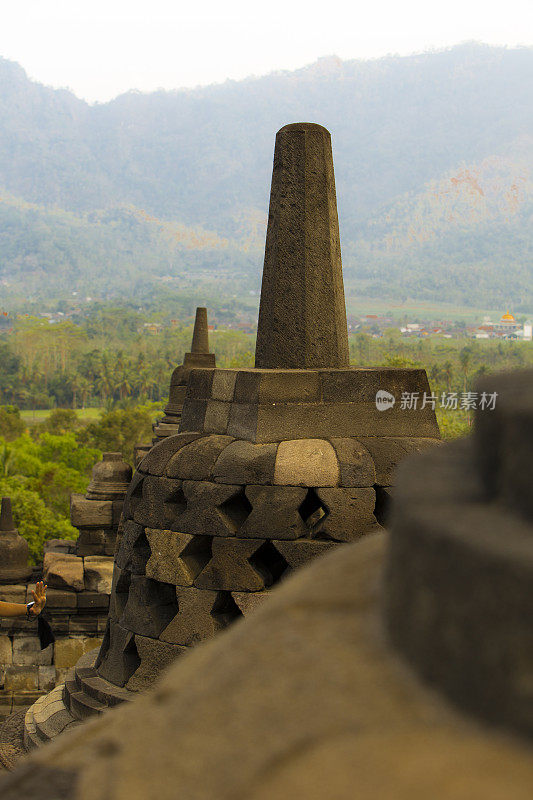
[{"x": 433, "y": 157}]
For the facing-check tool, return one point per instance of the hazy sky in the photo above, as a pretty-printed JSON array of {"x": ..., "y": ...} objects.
[{"x": 100, "y": 48}]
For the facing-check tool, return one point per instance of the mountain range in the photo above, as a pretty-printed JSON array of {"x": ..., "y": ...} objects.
[{"x": 433, "y": 161}]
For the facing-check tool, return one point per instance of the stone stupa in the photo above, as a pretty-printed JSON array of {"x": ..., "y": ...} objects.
[
  {"x": 271, "y": 467},
  {"x": 14, "y": 550},
  {"x": 198, "y": 357}
]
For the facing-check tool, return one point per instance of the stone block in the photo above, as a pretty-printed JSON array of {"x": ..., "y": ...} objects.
[
  {"x": 388, "y": 452},
  {"x": 193, "y": 415},
  {"x": 47, "y": 678},
  {"x": 155, "y": 463},
  {"x": 90, "y": 513},
  {"x": 355, "y": 463},
  {"x": 27, "y": 651},
  {"x": 83, "y": 624},
  {"x": 223, "y": 384},
  {"x": 249, "y": 601},
  {"x": 6, "y": 650},
  {"x": 68, "y": 651},
  {"x": 150, "y": 606},
  {"x": 120, "y": 588},
  {"x": 194, "y": 620},
  {"x": 22, "y": 678},
  {"x": 98, "y": 573},
  {"x": 244, "y": 463},
  {"x": 14, "y": 593},
  {"x": 152, "y": 509},
  {"x": 241, "y": 565},
  {"x": 93, "y": 601},
  {"x": 25, "y": 698},
  {"x": 298, "y": 553},
  {"x": 154, "y": 656},
  {"x": 59, "y": 621},
  {"x": 59, "y": 599},
  {"x": 213, "y": 509},
  {"x": 63, "y": 571},
  {"x": 65, "y": 546},
  {"x": 275, "y": 512},
  {"x": 176, "y": 558},
  {"x": 348, "y": 514},
  {"x": 306, "y": 462},
  {"x": 196, "y": 460},
  {"x": 118, "y": 657},
  {"x": 216, "y": 416},
  {"x": 242, "y": 422}
]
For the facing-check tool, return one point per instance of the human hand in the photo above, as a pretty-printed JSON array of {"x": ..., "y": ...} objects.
[{"x": 39, "y": 598}]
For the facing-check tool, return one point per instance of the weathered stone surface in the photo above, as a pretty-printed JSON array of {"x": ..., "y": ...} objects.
[
  {"x": 302, "y": 316},
  {"x": 154, "y": 657},
  {"x": 195, "y": 619},
  {"x": 355, "y": 462},
  {"x": 68, "y": 651},
  {"x": 13, "y": 593},
  {"x": 275, "y": 513},
  {"x": 21, "y": 678},
  {"x": 63, "y": 572},
  {"x": 241, "y": 565},
  {"x": 195, "y": 461},
  {"x": 155, "y": 463},
  {"x": 458, "y": 592},
  {"x": 388, "y": 452},
  {"x": 244, "y": 463},
  {"x": 176, "y": 558},
  {"x": 59, "y": 599},
  {"x": 131, "y": 542},
  {"x": 298, "y": 553},
  {"x": 152, "y": 510},
  {"x": 150, "y": 606},
  {"x": 118, "y": 657},
  {"x": 223, "y": 386},
  {"x": 47, "y": 678},
  {"x": 249, "y": 601},
  {"x": 27, "y": 651},
  {"x": 6, "y": 650},
  {"x": 96, "y": 601},
  {"x": 349, "y": 514},
  {"x": 90, "y": 513},
  {"x": 503, "y": 437},
  {"x": 213, "y": 509},
  {"x": 375, "y": 731},
  {"x": 216, "y": 416},
  {"x": 66, "y": 546},
  {"x": 306, "y": 462},
  {"x": 98, "y": 573}
]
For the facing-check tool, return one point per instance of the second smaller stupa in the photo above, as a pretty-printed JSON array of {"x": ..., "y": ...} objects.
[{"x": 198, "y": 357}]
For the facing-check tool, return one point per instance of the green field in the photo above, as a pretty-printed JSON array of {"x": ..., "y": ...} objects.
[{"x": 32, "y": 417}]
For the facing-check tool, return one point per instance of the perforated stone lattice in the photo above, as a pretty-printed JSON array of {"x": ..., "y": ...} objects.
[{"x": 193, "y": 556}]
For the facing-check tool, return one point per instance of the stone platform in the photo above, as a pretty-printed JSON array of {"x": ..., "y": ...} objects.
[{"x": 269, "y": 405}]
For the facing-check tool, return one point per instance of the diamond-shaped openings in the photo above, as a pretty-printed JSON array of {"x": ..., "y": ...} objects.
[
  {"x": 225, "y": 610},
  {"x": 104, "y": 647},
  {"x": 269, "y": 563},
  {"x": 140, "y": 553},
  {"x": 235, "y": 510},
  {"x": 122, "y": 590},
  {"x": 131, "y": 659},
  {"x": 175, "y": 504},
  {"x": 197, "y": 554},
  {"x": 312, "y": 510}
]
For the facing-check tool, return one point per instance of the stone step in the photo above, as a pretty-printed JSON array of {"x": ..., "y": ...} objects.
[
  {"x": 81, "y": 705},
  {"x": 99, "y": 689},
  {"x": 52, "y": 717},
  {"x": 32, "y": 737}
]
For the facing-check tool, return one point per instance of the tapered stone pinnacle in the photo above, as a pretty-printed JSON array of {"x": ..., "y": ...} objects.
[
  {"x": 6, "y": 517},
  {"x": 200, "y": 337},
  {"x": 302, "y": 315}
]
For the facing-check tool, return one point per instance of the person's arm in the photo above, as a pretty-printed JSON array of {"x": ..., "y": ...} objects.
[{"x": 21, "y": 609}]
